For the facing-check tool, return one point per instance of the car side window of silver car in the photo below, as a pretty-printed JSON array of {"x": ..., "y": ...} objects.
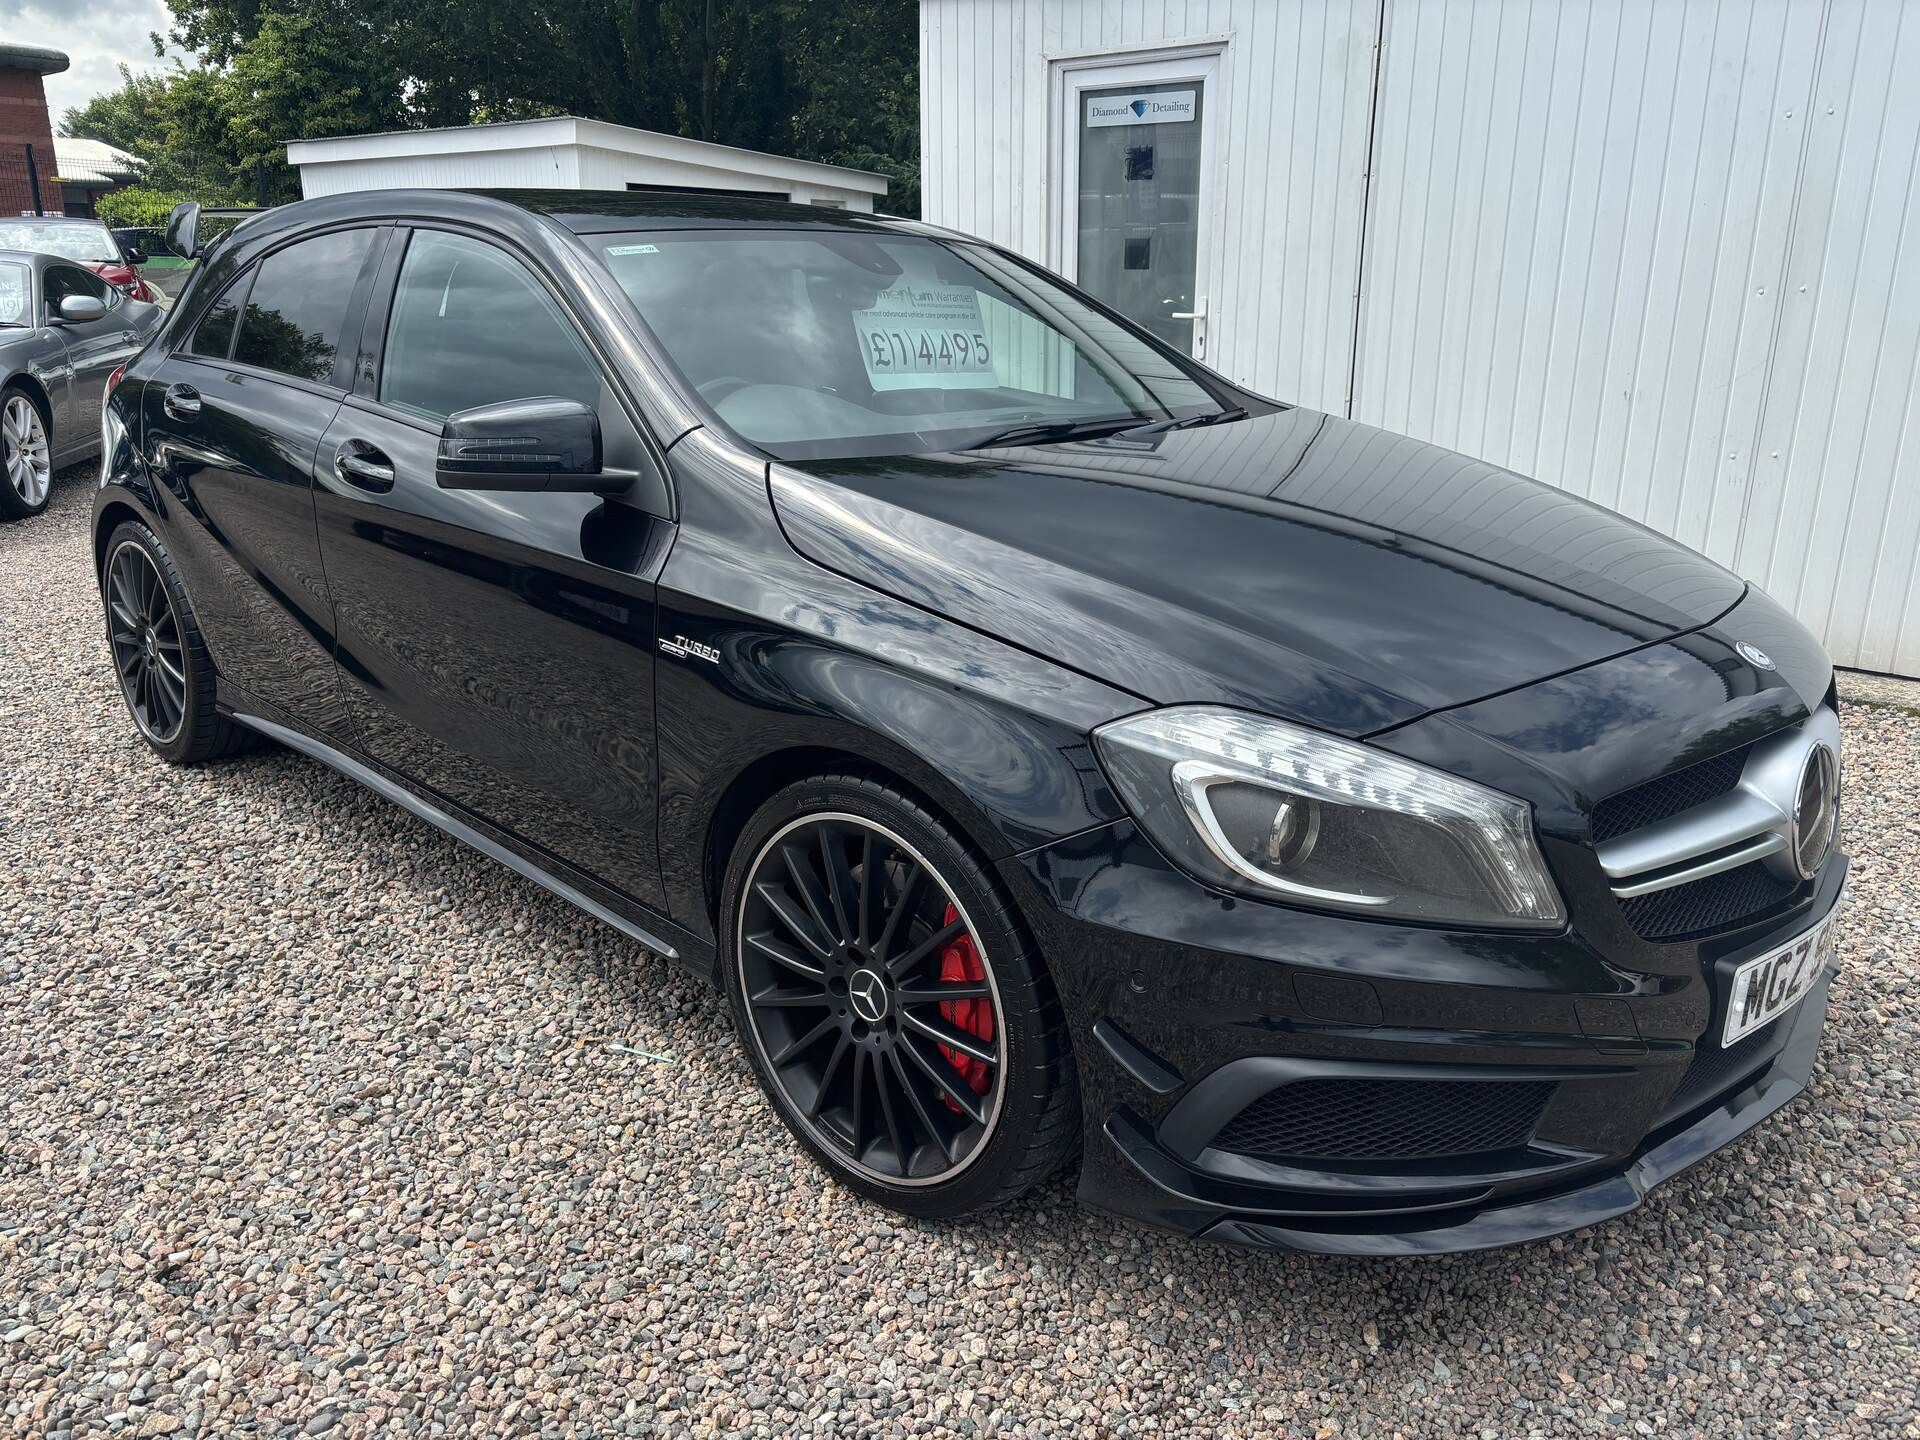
[{"x": 63, "y": 280}]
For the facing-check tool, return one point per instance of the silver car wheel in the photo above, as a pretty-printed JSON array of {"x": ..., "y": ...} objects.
[{"x": 23, "y": 439}]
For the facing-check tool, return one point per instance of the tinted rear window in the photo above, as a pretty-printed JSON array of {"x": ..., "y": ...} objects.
[
  {"x": 297, "y": 311},
  {"x": 214, "y": 336}
]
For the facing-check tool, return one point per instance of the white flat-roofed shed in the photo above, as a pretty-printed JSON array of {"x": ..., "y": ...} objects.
[{"x": 568, "y": 153}]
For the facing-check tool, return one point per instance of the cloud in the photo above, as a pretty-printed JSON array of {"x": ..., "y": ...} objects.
[{"x": 96, "y": 35}]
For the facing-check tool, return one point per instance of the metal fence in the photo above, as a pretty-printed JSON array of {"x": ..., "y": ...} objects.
[{"x": 27, "y": 182}]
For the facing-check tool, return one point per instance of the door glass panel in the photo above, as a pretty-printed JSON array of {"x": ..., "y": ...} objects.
[
  {"x": 471, "y": 326},
  {"x": 298, "y": 306},
  {"x": 214, "y": 336},
  {"x": 16, "y": 285},
  {"x": 1139, "y": 216},
  {"x": 65, "y": 280}
]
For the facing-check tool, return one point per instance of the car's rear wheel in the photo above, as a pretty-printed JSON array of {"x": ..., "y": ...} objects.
[
  {"x": 26, "y": 455},
  {"x": 166, "y": 675},
  {"x": 890, "y": 1004}
]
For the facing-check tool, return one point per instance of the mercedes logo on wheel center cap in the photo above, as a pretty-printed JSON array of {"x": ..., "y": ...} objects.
[
  {"x": 1754, "y": 655},
  {"x": 868, "y": 992},
  {"x": 1815, "y": 810}
]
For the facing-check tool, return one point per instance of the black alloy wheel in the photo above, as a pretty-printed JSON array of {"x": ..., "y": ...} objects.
[
  {"x": 870, "y": 1000},
  {"x": 149, "y": 650},
  {"x": 159, "y": 656}
]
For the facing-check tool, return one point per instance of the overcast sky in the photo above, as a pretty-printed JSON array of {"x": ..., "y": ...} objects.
[{"x": 96, "y": 35}]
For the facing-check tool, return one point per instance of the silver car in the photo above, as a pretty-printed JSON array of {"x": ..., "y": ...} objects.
[{"x": 63, "y": 332}]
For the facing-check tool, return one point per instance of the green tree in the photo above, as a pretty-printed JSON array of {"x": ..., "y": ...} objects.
[
  {"x": 175, "y": 121},
  {"x": 856, "y": 64},
  {"x": 308, "y": 73},
  {"x": 831, "y": 80}
]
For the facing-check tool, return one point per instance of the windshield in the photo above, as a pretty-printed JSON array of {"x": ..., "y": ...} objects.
[
  {"x": 91, "y": 244},
  {"x": 16, "y": 293},
  {"x": 835, "y": 343}
]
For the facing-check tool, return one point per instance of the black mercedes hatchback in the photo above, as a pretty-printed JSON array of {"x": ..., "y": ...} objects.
[{"x": 1052, "y": 749}]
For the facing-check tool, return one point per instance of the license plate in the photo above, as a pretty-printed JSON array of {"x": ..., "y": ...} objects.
[{"x": 1772, "y": 984}]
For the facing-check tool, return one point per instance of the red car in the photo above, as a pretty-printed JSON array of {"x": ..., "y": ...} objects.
[{"x": 88, "y": 242}]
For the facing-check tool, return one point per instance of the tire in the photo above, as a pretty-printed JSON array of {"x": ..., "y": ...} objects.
[
  {"x": 26, "y": 455},
  {"x": 963, "y": 1154},
  {"x": 160, "y": 659}
]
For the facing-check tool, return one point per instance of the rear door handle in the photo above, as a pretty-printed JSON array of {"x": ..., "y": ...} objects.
[
  {"x": 182, "y": 402},
  {"x": 360, "y": 465}
]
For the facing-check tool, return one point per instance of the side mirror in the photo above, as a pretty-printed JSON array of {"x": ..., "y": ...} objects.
[
  {"x": 78, "y": 309},
  {"x": 183, "y": 229},
  {"x": 544, "y": 443},
  {"x": 134, "y": 254}
]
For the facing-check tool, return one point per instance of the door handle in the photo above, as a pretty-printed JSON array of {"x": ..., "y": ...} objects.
[
  {"x": 182, "y": 402},
  {"x": 1199, "y": 317},
  {"x": 360, "y": 465}
]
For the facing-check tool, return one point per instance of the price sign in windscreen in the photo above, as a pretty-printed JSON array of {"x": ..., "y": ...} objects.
[{"x": 916, "y": 337}]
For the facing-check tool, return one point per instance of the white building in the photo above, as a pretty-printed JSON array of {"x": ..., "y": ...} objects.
[
  {"x": 1664, "y": 253},
  {"x": 90, "y": 169},
  {"x": 569, "y": 153}
]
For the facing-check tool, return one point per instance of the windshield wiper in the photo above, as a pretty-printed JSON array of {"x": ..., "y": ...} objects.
[
  {"x": 1190, "y": 422},
  {"x": 1053, "y": 432}
]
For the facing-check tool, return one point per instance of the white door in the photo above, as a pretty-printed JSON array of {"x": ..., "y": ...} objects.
[{"x": 1133, "y": 205}]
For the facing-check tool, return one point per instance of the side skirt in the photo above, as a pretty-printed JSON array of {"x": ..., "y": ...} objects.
[{"x": 459, "y": 829}]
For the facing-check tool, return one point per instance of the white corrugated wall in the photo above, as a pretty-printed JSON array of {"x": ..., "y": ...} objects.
[
  {"x": 1654, "y": 251},
  {"x": 1287, "y": 251}
]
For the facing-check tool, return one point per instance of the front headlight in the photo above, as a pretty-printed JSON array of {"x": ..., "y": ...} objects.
[{"x": 1284, "y": 813}]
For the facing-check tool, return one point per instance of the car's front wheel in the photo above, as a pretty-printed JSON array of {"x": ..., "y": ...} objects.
[
  {"x": 26, "y": 455},
  {"x": 890, "y": 1004}
]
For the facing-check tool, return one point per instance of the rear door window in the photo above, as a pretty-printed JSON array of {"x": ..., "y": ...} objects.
[
  {"x": 470, "y": 325},
  {"x": 296, "y": 314},
  {"x": 213, "y": 336}
]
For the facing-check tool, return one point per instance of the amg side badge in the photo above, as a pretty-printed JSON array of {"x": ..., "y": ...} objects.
[{"x": 684, "y": 648}]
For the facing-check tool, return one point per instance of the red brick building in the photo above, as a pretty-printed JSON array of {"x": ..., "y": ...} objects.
[{"x": 26, "y": 130}]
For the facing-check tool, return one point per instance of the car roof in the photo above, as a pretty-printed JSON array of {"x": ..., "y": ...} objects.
[
  {"x": 582, "y": 212},
  {"x": 55, "y": 219},
  {"x": 587, "y": 212}
]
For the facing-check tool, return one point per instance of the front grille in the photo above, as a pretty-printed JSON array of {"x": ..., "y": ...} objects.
[
  {"x": 1670, "y": 795},
  {"x": 1336, "y": 1119},
  {"x": 1701, "y": 907},
  {"x": 1715, "y": 1070}
]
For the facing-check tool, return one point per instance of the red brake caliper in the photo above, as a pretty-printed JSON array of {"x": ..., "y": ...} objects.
[{"x": 961, "y": 961}]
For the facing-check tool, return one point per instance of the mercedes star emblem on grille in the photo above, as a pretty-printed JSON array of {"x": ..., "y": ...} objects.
[{"x": 1815, "y": 809}]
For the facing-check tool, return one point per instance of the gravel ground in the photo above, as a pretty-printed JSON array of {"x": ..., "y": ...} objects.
[{"x": 316, "y": 1123}]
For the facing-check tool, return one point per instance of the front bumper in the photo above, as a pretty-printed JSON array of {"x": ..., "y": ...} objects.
[{"x": 1187, "y": 1006}]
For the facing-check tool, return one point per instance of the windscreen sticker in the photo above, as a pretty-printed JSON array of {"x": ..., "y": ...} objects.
[
  {"x": 633, "y": 249},
  {"x": 13, "y": 295},
  {"x": 916, "y": 337}
]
